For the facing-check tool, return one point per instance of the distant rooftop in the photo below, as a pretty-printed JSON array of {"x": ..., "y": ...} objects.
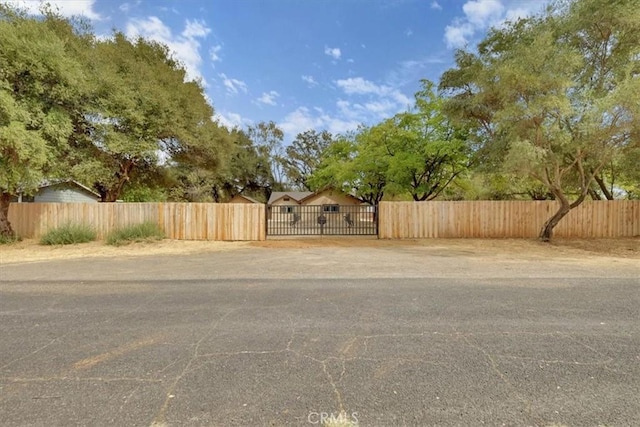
[{"x": 295, "y": 195}]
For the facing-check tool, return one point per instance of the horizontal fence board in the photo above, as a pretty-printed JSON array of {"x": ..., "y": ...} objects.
[
  {"x": 506, "y": 219},
  {"x": 180, "y": 221}
]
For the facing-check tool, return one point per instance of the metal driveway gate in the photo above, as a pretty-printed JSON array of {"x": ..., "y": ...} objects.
[{"x": 312, "y": 220}]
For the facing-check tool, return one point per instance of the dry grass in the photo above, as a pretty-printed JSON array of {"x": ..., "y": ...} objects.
[
  {"x": 30, "y": 251},
  {"x": 618, "y": 248}
]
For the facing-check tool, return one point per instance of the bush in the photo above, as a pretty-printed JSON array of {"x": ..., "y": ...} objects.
[
  {"x": 145, "y": 232},
  {"x": 69, "y": 234},
  {"x": 6, "y": 240}
]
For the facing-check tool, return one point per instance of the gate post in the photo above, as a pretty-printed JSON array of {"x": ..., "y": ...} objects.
[{"x": 376, "y": 212}]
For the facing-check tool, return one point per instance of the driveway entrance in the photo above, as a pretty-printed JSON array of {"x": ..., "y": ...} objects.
[{"x": 314, "y": 220}]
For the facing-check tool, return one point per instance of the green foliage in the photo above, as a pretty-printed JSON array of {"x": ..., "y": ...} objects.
[
  {"x": 7, "y": 240},
  {"x": 426, "y": 152},
  {"x": 554, "y": 96},
  {"x": 108, "y": 112},
  {"x": 355, "y": 164},
  {"x": 144, "y": 232},
  {"x": 141, "y": 106},
  {"x": 40, "y": 81},
  {"x": 417, "y": 152},
  {"x": 267, "y": 138},
  {"x": 69, "y": 234},
  {"x": 246, "y": 170},
  {"x": 303, "y": 157},
  {"x": 144, "y": 194}
]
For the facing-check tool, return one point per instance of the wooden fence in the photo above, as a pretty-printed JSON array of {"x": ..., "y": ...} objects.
[
  {"x": 506, "y": 219},
  {"x": 397, "y": 220},
  {"x": 180, "y": 221}
]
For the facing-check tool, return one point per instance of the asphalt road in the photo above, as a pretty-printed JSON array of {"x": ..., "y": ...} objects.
[{"x": 379, "y": 337}]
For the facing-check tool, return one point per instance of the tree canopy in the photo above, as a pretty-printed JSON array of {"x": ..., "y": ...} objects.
[
  {"x": 554, "y": 96},
  {"x": 98, "y": 111},
  {"x": 418, "y": 152},
  {"x": 40, "y": 83}
]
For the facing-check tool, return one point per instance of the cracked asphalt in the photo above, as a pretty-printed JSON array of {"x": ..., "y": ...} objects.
[{"x": 376, "y": 336}]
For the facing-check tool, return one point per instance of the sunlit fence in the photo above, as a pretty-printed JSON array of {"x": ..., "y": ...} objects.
[
  {"x": 395, "y": 220},
  {"x": 506, "y": 219},
  {"x": 180, "y": 221}
]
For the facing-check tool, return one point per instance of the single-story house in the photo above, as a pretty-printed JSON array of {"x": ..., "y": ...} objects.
[
  {"x": 302, "y": 198},
  {"x": 241, "y": 198},
  {"x": 329, "y": 202},
  {"x": 329, "y": 199},
  {"x": 66, "y": 191}
]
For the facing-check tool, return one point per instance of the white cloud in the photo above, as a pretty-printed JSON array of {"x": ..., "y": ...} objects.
[
  {"x": 435, "y": 5},
  {"x": 126, "y": 7},
  {"x": 379, "y": 101},
  {"x": 195, "y": 29},
  {"x": 408, "y": 32},
  {"x": 457, "y": 34},
  {"x": 213, "y": 53},
  {"x": 358, "y": 85},
  {"x": 268, "y": 98},
  {"x": 185, "y": 47},
  {"x": 65, "y": 7},
  {"x": 303, "y": 119},
  {"x": 309, "y": 80},
  {"x": 234, "y": 86},
  {"x": 333, "y": 52},
  {"x": 483, "y": 13},
  {"x": 479, "y": 15},
  {"x": 231, "y": 120}
]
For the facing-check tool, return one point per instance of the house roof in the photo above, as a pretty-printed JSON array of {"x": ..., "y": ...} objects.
[
  {"x": 295, "y": 195},
  {"x": 328, "y": 190},
  {"x": 251, "y": 199},
  {"x": 45, "y": 184}
]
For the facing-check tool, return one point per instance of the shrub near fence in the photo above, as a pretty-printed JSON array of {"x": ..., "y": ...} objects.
[
  {"x": 505, "y": 219},
  {"x": 180, "y": 221}
]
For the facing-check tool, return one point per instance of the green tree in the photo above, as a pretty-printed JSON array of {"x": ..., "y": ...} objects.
[
  {"x": 303, "y": 157},
  {"x": 554, "y": 96},
  {"x": 198, "y": 167},
  {"x": 356, "y": 164},
  {"x": 143, "y": 109},
  {"x": 267, "y": 139},
  {"x": 40, "y": 83},
  {"x": 426, "y": 152},
  {"x": 416, "y": 152},
  {"x": 246, "y": 170}
]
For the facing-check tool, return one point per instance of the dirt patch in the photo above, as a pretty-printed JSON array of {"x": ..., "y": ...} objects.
[
  {"x": 619, "y": 248},
  {"x": 31, "y": 251}
]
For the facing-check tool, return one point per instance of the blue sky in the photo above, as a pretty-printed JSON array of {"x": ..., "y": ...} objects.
[{"x": 322, "y": 64}]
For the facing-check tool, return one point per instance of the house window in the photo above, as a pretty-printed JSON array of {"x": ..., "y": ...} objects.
[
  {"x": 286, "y": 199},
  {"x": 330, "y": 208},
  {"x": 286, "y": 209}
]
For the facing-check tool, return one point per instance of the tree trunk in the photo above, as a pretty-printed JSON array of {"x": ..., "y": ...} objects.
[
  {"x": 594, "y": 194},
  {"x": 5, "y": 225},
  {"x": 603, "y": 187},
  {"x": 114, "y": 191},
  {"x": 547, "y": 230}
]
